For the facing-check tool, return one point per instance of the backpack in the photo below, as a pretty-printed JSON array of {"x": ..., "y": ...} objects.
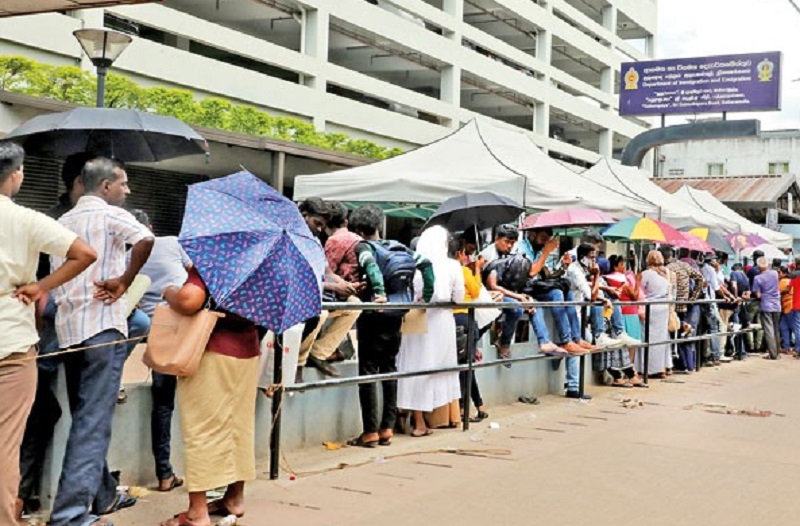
[
  {"x": 512, "y": 271},
  {"x": 398, "y": 266}
]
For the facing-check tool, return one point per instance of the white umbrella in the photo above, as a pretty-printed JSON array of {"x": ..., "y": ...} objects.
[{"x": 770, "y": 252}]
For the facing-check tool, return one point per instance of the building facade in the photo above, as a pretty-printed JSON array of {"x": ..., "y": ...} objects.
[
  {"x": 399, "y": 72},
  {"x": 769, "y": 153}
]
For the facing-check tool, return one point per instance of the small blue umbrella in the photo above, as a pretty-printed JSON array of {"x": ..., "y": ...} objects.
[{"x": 254, "y": 251}]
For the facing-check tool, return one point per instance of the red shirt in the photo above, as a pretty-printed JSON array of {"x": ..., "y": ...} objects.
[
  {"x": 795, "y": 286},
  {"x": 233, "y": 335},
  {"x": 340, "y": 250}
]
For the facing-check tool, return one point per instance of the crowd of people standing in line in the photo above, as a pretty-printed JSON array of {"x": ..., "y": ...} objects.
[{"x": 96, "y": 249}]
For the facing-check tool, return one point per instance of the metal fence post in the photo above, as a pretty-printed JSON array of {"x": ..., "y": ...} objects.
[
  {"x": 647, "y": 341},
  {"x": 582, "y": 361},
  {"x": 277, "y": 399},
  {"x": 471, "y": 343}
]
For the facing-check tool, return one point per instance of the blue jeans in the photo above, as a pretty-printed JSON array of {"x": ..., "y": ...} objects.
[
  {"x": 138, "y": 325},
  {"x": 572, "y": 365},
  {"x": 710, "y": 323},
  {"x": 93, "y": 378},
  {"x": 512, "y": 316},
  {"x": 688, "y": 351},
  {"x": 599, "y": 323},
  {"x": 795, "y": 328},
  {"x": 566, "y": 319},
  {"x": 786, "y": 328}
]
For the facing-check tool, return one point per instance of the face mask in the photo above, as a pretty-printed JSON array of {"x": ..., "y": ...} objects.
[{"x": 586, "y": 261}]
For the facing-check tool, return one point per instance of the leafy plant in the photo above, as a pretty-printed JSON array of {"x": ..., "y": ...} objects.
[{"x": 71, "y": 84}]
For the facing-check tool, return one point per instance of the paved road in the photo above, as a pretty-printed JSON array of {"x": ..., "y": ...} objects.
[{"x": 669, "y": 461}]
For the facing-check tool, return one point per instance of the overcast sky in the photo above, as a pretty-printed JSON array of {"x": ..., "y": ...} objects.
[{"x": 692, "y": 28}]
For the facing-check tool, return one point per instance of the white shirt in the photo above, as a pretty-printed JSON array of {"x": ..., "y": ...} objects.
[
  {"x": 23, "y": 235},
  {"x": 107, "y": 229},
  {"x": 578, "y": 284},
  {"x": 165, "y": 267},
  {"x": 490, "y": 253}
]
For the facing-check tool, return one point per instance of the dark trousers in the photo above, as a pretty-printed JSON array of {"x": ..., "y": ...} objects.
[
  {"x": 687, "y": 352},
  {"x": 378, "y": 345},
  {"x": 163, "y": 393},
  {"x": 770, "y": 321},
  {"x": 462, "y": 320}
]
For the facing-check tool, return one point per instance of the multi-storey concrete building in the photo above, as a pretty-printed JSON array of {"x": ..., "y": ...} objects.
[{"x": 401, "y": 72}]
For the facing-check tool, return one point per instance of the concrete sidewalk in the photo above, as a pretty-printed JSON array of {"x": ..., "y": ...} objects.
[{"x": 662, "y": 458}]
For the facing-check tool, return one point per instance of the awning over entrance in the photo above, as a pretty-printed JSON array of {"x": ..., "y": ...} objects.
[{"x": 29, "y": 7}]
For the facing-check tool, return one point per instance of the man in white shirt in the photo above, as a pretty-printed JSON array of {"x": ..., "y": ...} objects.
[
  {"x": 89, "y": 316},
  {"x": 24, "y": 235}
]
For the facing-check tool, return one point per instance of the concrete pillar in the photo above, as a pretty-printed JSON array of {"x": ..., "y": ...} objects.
[
  {"x": 541, "y": 119},
  {"x": 278, "y": 171},
  {"x": 454, "y": 7},
  {"x": 650, "y": 46},
  {"x": 451, "y": 85},
  {"x": 606, "y": 147},
  {"x": 544, "y": 46},
  {"x": 610, "y": 16},
  {"x": 315, "y": 42}
]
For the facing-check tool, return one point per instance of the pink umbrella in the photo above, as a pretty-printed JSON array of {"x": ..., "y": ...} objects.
[
  {"x": 741, "y": 240},
  {"x": 692, "y": 242},
  {"x": 574, "y": 217}
]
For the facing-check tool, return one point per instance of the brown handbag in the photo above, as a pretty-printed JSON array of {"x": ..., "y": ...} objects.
[{"x": 176, "y": 342}]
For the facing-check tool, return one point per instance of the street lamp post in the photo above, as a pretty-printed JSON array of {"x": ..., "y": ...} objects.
[{"x": 103, "y": 47}]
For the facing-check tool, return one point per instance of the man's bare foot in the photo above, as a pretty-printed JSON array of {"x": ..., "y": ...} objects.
[{"x": 183, "y": 520}]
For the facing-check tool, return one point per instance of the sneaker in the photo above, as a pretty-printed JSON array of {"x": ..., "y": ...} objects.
[
  {"x": 576, "y": 395},
  {"x": 551, "y": 349},
  {"x": 583, "y": 344},
  {"x": 604, "y": 340},
  {"x": 627, "y": 339},
  {"x": 725, "y": 359},
  {"x": 574, "y": 348}
]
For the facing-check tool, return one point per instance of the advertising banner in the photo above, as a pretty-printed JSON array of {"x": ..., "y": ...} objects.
[{"x": 728, "y": 83}]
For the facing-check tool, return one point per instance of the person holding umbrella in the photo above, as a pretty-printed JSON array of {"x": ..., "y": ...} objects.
[{"x": 256, "y": 261}]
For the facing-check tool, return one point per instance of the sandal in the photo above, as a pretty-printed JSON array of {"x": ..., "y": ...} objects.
[
  {"x": 218, "y": 508},
  {"x": 385, "y": 441},
  {"x": 174, "y": 482},
  {"x": 122, "y": 501},
  {"x": 360, "y": 442},
  {"x": 626, "y": 385},
  {"x": 426, "y": 433},
  {"x": 480, "y": 417}
]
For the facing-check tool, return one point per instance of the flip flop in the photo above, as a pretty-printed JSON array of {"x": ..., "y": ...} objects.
[
  {"x": 532, "y": 400},
  {"x": 360, "y": 442},
  {"x": 561, "y": 353},
  {"x": 624, "y": 385},
  {"x": 480, "y": 417},
  {"x": 385, "y": 441},
  {"x": 183, "y": 520},
  {"x": 427, "y": 432},
  {"x": 218, "y": 508}
]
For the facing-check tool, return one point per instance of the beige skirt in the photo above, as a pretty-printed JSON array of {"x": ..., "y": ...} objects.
[{"x": 217, "y": 414}]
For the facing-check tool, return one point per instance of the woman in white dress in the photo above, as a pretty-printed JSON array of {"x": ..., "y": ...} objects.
[
  {"x": 437, "y": 347},
  {"x": 657, "y": 285}
]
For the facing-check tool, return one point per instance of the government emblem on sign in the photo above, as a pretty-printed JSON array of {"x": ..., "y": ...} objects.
[
  {"x": 631, "y": 79},
  {"x": 766, "y": 69}
]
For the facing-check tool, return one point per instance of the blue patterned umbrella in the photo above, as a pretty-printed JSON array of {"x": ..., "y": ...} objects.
[{"x": 254, "y": 251}]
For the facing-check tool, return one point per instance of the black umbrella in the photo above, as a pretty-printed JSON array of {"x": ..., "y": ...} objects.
[
  {"x": 483, "y": 210},
  {"x": 128, "y": 135}
]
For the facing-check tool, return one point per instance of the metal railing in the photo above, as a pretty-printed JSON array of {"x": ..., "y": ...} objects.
[{"x": 470, "y": 366}]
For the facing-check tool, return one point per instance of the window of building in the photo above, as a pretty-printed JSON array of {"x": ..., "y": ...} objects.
[
  {"x": 778, "y": 168},
  {"x": 716, "y": 169},
  {"x": 675, "y": 171}
]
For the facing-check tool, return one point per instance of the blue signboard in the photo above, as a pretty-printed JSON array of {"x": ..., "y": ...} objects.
[{"x": 732, "y": 83}]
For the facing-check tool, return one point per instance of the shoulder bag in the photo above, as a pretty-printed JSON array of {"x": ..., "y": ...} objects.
[{"x": 176, "y": 342}]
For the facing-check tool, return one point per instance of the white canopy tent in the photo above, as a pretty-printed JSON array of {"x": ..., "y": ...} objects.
[
  {"x": 673, "y": 210},
  {"x": 706, "y": 201},
  {"x": 478, "y": 157}
]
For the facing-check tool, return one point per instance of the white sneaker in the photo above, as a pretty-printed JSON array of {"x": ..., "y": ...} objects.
[
  {"x": 604, "y": 340},
  {"x": 627, "y": 339}
]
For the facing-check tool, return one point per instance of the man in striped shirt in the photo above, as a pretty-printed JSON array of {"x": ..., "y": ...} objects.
[{"x": 89, "y": 316}]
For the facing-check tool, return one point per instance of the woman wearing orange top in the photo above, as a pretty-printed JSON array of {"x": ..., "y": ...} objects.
[
  {"x": 787, "y": 317},
  {"x": 472, "y": 286}
]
